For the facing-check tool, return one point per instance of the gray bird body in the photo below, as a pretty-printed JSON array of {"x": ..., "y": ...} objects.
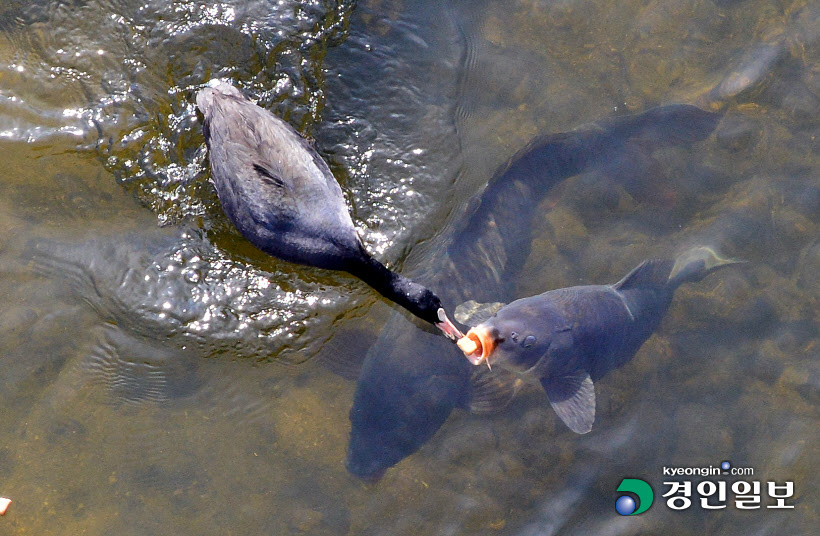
[
  {"x": 282, "y": 197},
  {"x": 272, "y": 185}
]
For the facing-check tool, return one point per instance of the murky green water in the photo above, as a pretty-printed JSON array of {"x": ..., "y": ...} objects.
[{"x": 160, "y": 376}]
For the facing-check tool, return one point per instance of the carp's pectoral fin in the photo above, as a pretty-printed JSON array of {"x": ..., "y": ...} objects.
[
  {"x": 492, "y": 391},
  {"x": 572, "y": 396}
]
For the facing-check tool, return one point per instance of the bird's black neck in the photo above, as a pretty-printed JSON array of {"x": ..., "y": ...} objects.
[{"x": 393, "y": 286}]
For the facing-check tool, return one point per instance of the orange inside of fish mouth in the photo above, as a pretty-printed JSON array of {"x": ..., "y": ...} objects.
[{"x": 477, "y": 345}]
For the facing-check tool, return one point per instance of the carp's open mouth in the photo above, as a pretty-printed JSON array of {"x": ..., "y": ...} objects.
[{"x": 477, "y": 345}]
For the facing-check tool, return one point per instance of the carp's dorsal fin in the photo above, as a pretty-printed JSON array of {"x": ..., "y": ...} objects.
[
  {"x": 572, "y": 396},
  {"x": 492, "y": 391},
  {"x": 472, "y": 313},
  {"x": 649, "y": 273}
]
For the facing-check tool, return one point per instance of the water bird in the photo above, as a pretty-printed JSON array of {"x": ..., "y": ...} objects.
[
  {"x": 568, "y": 338},
  {"x": 282, "y": 197}
]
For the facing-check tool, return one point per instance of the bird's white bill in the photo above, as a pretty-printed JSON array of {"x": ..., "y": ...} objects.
[{"x": 447, "y": 327}]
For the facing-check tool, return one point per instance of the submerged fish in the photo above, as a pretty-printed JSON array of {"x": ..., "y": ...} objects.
[
  {"x": 411, "y": 380},
  {"x": 566, "y": 339}
]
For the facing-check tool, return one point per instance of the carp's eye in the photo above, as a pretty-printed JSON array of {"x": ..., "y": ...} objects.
[
  {"x": 514, "y": 336},
  {"x": 529, "y": 341}
]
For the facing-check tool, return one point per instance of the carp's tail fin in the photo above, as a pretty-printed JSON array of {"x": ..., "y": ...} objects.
[{"x": 695, "y": 264}]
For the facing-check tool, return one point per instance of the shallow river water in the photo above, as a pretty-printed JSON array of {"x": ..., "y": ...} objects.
[{"x": 158, "y": 375}]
